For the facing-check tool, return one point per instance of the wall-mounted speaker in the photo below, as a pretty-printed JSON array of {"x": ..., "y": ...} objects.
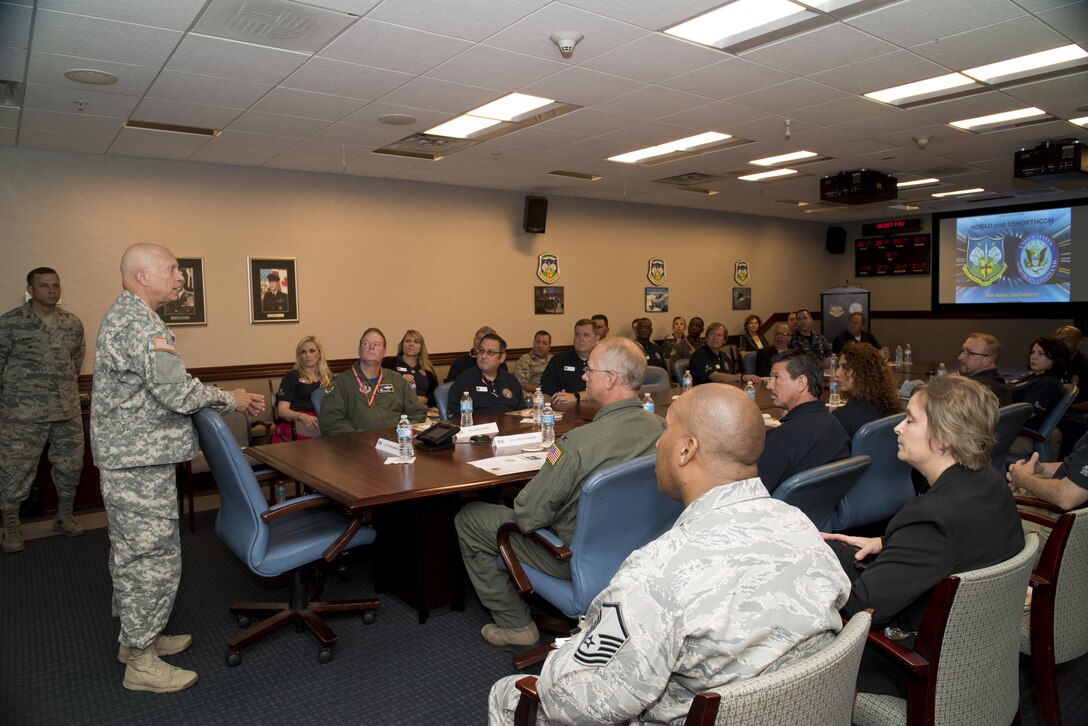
[
  {"x": 536, "y": 214},
  {"x": 836, "y": 240}
]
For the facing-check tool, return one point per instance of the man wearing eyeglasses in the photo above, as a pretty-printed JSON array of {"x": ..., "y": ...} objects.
[
  {"x": 493, "y": 389},
  {"x": 562, "y": 379},
  {"x": 978, "y": 361},
  {"x": 619, "y": 432},
  {"x": 781, "y": 342}
]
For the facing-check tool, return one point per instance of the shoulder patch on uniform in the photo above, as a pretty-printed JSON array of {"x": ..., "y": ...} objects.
[
  {"x": 605, "y": 638},
  {"x": 554, "y": 453},
  {"x": 507, "y": 393},
  {"x": 161, "y": 342}
]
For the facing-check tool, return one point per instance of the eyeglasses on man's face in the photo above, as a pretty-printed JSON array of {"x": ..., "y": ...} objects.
[
  {"x": 969, "y": 353},
  {"x": 598, "y": 370},
  {"x": 485, "y": 351}
]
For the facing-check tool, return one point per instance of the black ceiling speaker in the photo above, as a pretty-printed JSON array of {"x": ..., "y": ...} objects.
[
  {"x": 836, "y": 240},
  {"x": 536, "y": 214}
]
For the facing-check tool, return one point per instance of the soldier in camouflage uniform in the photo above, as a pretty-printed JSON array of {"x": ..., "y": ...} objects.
[
  {"x": 531, "y": 366},
  {"x": 620, "y": 431},
  {"x": 41, "y": 352},
  {"x": 140, "y": 429},
  {"x": 741, "y": 585}
]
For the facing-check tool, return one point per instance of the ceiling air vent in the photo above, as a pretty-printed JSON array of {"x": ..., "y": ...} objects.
[
  {"x": 425, "y": 146},
  {"x": 283, "y": 24}
]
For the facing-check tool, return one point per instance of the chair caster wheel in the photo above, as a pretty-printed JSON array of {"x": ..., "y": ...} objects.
[
  {"x": 234, "y": 658},
  {"x": 369, "y": 617},
  {"x": 243, "y": 621},
  {"x": 325, "y": 656}
]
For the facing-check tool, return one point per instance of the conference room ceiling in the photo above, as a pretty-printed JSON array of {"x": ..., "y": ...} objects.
[{"x": 317, "y": 109}]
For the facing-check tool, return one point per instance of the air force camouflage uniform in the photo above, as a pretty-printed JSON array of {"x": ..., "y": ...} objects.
[
  {"x": 741, "y": 585},
  {"x": 140, "y": 428},
  {"x": 39, "y": 401}
]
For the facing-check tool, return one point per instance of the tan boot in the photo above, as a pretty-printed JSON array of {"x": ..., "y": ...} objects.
[
  {"x": 64, "y": 522},
  {"x": 164, "y": 645},
  {"x": 506, "y": 637},
  {"x": 13, "y": 538},
  {"x": 145, "y": 672}
]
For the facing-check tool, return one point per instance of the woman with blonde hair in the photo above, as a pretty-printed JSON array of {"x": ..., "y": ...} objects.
[
  {"x": 293, "y": 404},
  {"x": 866, "y": 384},
  {"x": 413, "y": 363}
]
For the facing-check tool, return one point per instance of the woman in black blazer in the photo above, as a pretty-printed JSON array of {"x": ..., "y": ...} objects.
[
  {"x": 966, "y": 520},
  {"x": 750, "y": 337}
]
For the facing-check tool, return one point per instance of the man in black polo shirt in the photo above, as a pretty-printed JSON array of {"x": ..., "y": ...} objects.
[
  {"x": 710, "y": 364},
  {"x": 856, "y": 333},
  {"x": 493, "y": 389},
  {"x": 562, "y": 379},
  {"x": 654, "y": 355},
  {"x": 808, "y": 435},
  {"x": 978, "y": 361},
  {"x": 467, "y": 361}
]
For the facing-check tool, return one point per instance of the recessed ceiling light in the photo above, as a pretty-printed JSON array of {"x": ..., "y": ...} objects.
[
  {"x": 689, "y": 143},
  {"x": 920, "y": 90},
  {"x": 1015, "y": 68},
  {"x": 783, "y": 158},
  {"x": 917, "y": 182},
  {"x": 738, "y": 20},
  {"x": 397, "y": 119},
  {"x": 1082, "y": 121},
  {"x": 462, "y": 127},
  {"x": 958, "y": 192},
  {"x": 86, "y": 75},
  {"x": 997, "y": 119},
  {"x": 511, "y": 106},
  {"x": 764, "y": 175}
]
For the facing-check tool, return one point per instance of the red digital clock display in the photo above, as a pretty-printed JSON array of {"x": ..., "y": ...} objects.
[{"x": 906, "y": 254}]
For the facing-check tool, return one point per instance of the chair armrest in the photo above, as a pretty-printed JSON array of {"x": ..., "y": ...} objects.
[
  {"x": 1024, "y": 501},
  {"x": 525, "y": 714},
  {"x": 545, "y": 539},
  {"x": 1037, "y": 518},
  {"x": 703, "y": 710},
  {"x": 1033, "y": 435},
  {"x": 294, "y": 505},
  {"x": 905, "y": 658},
  {"x": 1038, "y": 582}
]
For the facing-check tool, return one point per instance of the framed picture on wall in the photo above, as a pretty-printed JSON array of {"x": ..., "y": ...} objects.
[
  {"x": 742, "y": 298},
  {"x": 547, "y": 300},
  {"x": 273, "y": 290},
  {"x": 657, "y": 299},
  {"x": 189, "y": 308}
]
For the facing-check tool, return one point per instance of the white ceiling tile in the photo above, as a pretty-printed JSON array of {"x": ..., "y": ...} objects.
[
  {"x": 1066, "y": 97},
  {"x": 531, "y": 35},
  {"x": 244, "y": 141},
  {"x": 15, "y": 25},
  {"x": 237, "y": 157},
  {"x": 1012, "y": 38},
  {"x": 106, "y": 40},
  {"x": 156, "y": 144},
  {"x": 1035, "y": 134},
  {"x": 62, "y": 100},
  {"x": 649, "y": 14},
  {"x": 328, "y": 149},
  {"x": 652, "y": 102},
  {"x": 369, "y": 136},
  {"x": 789, "y": 96},
  {"x": 70, "y": 123},
  {"x": 206, "y": 90},
  {"x": 30, "y": 139},
  {"x": 470, "y": 19},
  {"x": 270, "y": 123},
  {"x": 540, "y": 137},
  {"x": 382, "y": 45},
  {"x": 720, "y": 115},
  {"x": 581, "y": 86},
  {"x": 648, "y": 134},
  {"x": 298, "y": 162},
  {"x": 7, "y": 136},
  {"x": 442, "y": 96},
  {"x": 368, "y": 116},
  {"x": 727, "y": 78},
  {"x": 819, "y": 50},
  {"x": 980, "y": 104},
  {"x": 321, "y": 75},
  {"x": 920, "y": 21},
  {"x": 175, "y": 14},
  {"x": 1071, "y": 20},
  {"x": 381, "y": 164},
  {"x": 306, "y": 104},
  {"x": 895, "y": 120},
  {"x": 49, "y": 68},
  {"x": 506, "y": 71},
  {"x": 842, "y": 110},
  {"x": 207, "y": 56},
  {"x": 9, "y": 116},
  {"x": 653, "y": 58},
  {"x": 587, "y": 122},
  {"x": 884, "y": 71},
  {"x": 12, "y": 63},
  {"x": 160, "y": 111}
]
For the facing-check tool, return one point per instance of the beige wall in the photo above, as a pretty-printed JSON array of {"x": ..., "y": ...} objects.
[{"x": 395, "y": 254}]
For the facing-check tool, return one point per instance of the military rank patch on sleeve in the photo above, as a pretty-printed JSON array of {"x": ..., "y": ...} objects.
[
  {"x": 605, "y": 639},
  {"x": 161, "y": 342},
  {"x": 553, "y": 455}
]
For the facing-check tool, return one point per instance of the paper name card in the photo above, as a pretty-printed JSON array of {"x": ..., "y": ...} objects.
[
  {"x": 388, "y": 447},
  {"x": 533, "y": 437},
  {"x": 468, "y": 432}
]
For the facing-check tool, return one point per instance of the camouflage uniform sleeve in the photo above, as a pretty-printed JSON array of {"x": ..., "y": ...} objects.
[
  {"x": 171, "y": 385},
  {"x": 621, "y": 664},
  {"x": 542, "y": 498},
  {"x": 80, "y": 349}
]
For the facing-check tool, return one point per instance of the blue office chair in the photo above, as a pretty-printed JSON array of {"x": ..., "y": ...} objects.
[
  {"x": 442, "y": 400},
  {"x": 657, "y": 379},
  {"x": 817, "y": 491},
  {"x": 1041, "y": 438},
  {"x": 272, "y": 541},
  {"x": 317, "y": 397},
  {"x": 619, "y": 510},
  {"x": 1010, "y": 419},
  {"x": 680, "y": 367},
  {"x": 748, "y": 362},
  {"x": 885, "y": 487}
]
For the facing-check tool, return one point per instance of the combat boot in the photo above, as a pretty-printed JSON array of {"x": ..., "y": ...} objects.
[
  {"x": 13, "y": 538},
  {"x": 146, "y": 672},
  {"x": 64, "y": 522},
  {"x": 164, "y": 645}
]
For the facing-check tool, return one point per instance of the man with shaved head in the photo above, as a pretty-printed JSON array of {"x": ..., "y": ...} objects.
[
  {"x": 140, "y": 429},
  {"x": 741, "y": 584}
]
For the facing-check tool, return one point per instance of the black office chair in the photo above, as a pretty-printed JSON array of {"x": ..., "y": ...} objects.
[{"x": 272, "y": 541}]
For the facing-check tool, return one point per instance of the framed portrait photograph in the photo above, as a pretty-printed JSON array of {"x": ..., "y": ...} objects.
[
  {"x": 189, "y": 308},
  {"x": 742, "y": 298},
  {"x": 547, "y": 300},
  {"x": 273, "y": 290},
  {"x": 657, "y": 299}
]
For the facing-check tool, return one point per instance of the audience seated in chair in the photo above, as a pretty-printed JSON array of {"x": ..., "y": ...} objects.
[
  {"x": 741, "y": 584},
  {"x": 295, "y": 413},
  {"x": 867, "y": 386}
]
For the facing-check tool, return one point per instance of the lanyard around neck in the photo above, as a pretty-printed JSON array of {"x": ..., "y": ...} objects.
[{"x": 364, "y": 387}]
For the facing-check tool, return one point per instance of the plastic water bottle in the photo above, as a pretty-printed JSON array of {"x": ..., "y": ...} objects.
[
  {"x": 685, "y": 382},
  {"x": 941, "y": 370},
  {"x": 834, "y": 399},
  {"x": 648, "y": 403},
  {"x": 834, "y": 365},
  {"x": 538, "y": 405},
  {"x": 281, "y": 493},
  {"x": 750, "y": 390},
  {"x": 404, "y": 438},
  {"x": 466, "y": 410},
  {"x": 898, "y": 356},
  {"x": 907, "y": 359},
  {"x": 547, "y": 426}
]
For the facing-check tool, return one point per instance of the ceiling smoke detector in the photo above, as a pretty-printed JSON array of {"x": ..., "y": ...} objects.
[{"x": 566, "y": 40}]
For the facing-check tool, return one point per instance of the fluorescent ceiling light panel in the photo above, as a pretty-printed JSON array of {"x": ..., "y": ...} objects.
[
  {"x": 735, "y": 21},
  {"x": 764, "y": 175},
  {"x": 690, "y": 143},
  {"x": 1015, "y": 68},
  {"x": 462, "y": 127},
  {"x": 783, "y": 158},
  {"x": 511, "y": 106},
  {"x": 1082, "y": 121},
  {"x": 917, "y": 182},
  {"x": 997, "y": 119},
  {"x": 898, "y": 95},
  {"x": 958, "y": 192}
]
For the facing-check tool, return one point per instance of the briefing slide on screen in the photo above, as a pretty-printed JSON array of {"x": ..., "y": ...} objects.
[{"x": 1015, "y": 257}]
